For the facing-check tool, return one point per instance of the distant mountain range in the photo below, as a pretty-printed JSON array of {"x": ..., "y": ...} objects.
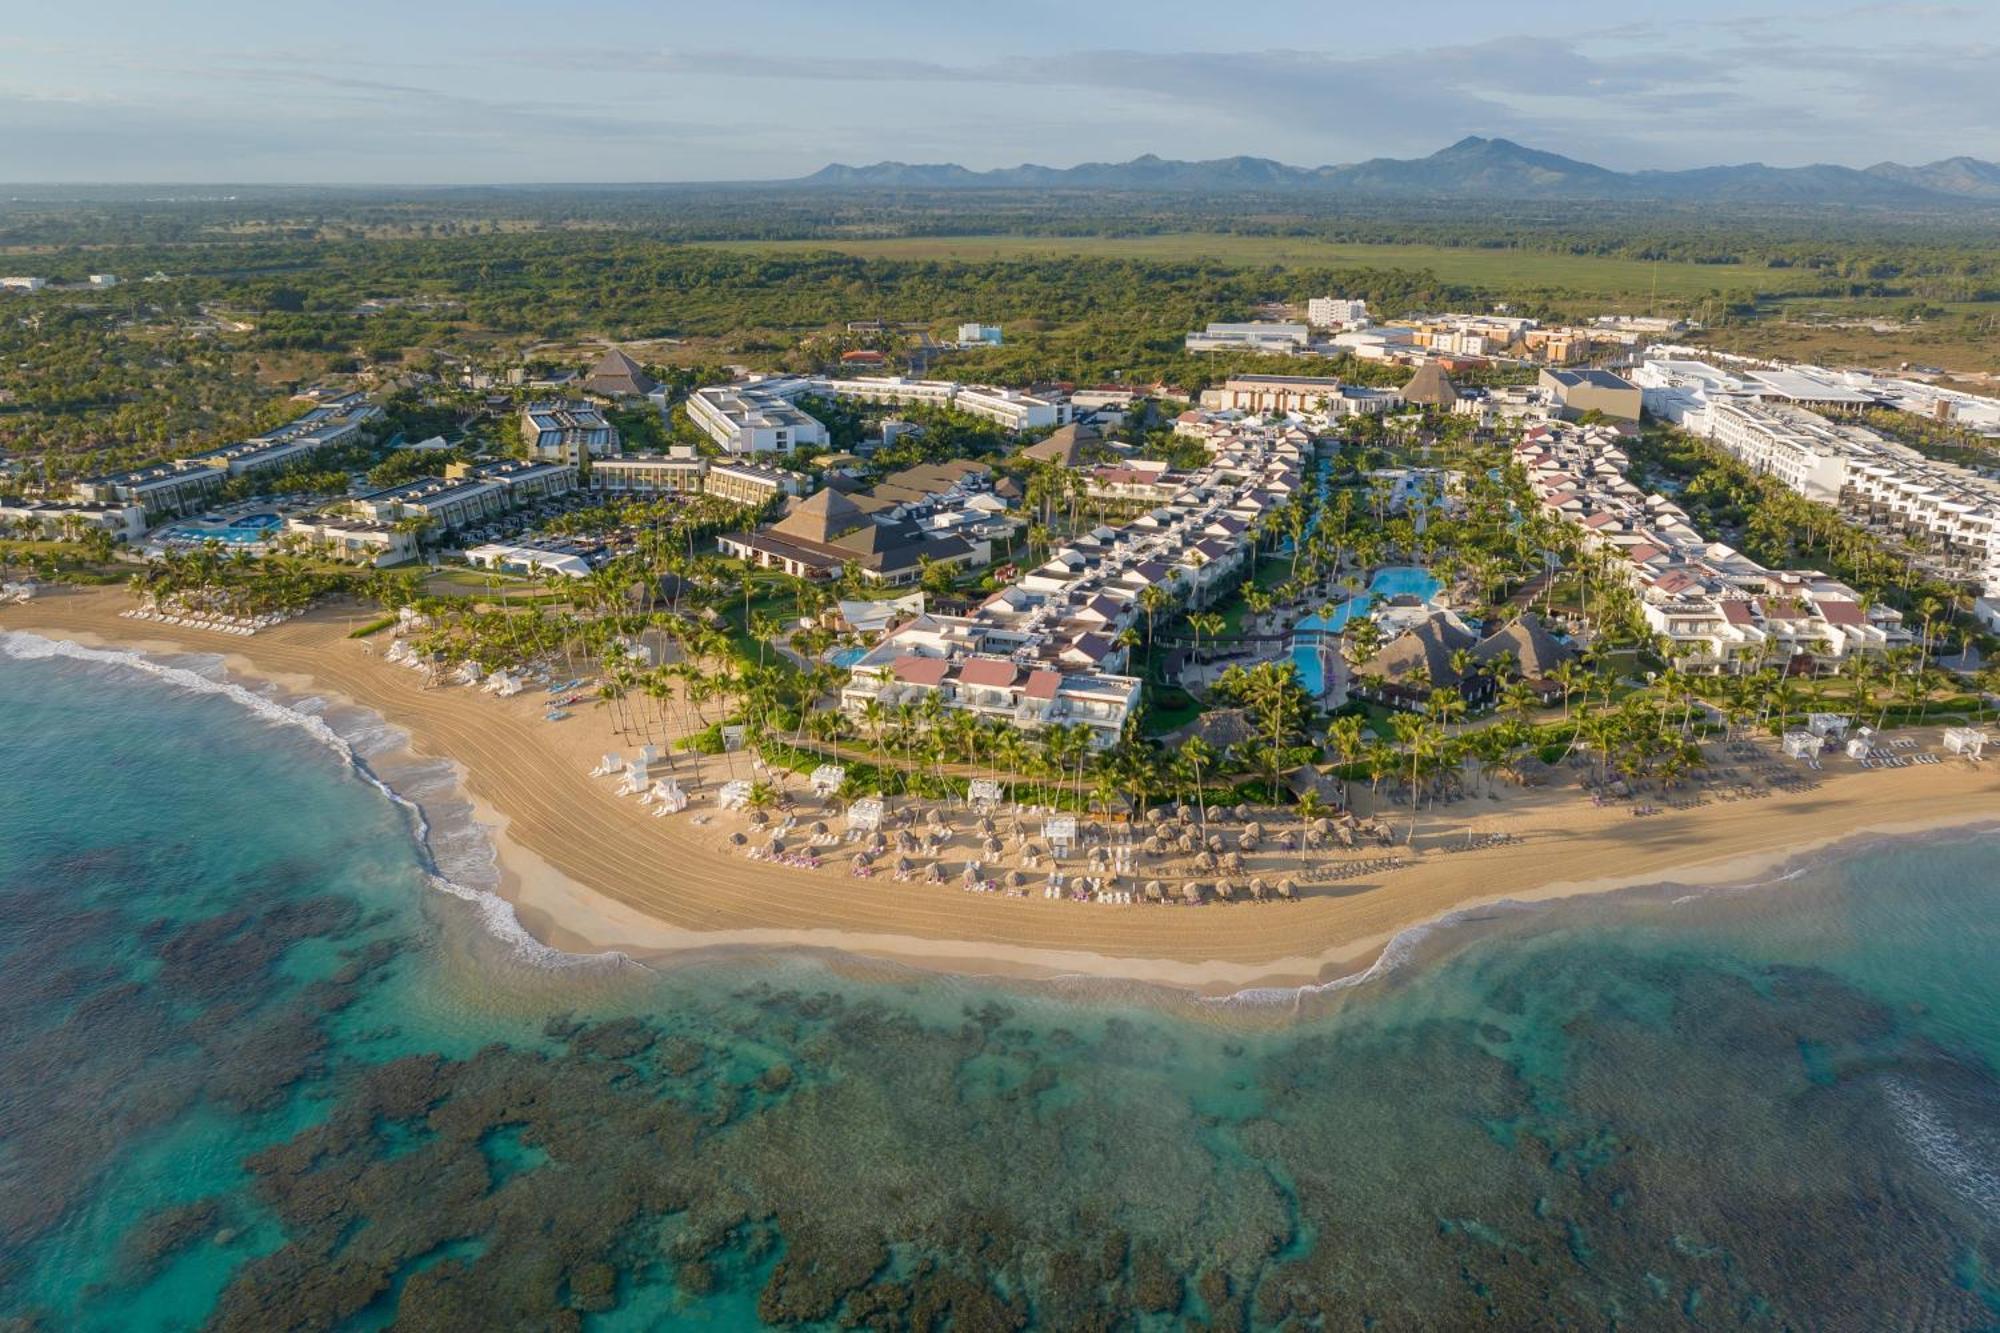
[{"x": 1487, "y": 168}]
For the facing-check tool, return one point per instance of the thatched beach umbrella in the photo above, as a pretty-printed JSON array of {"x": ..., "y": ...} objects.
[
  {"x": 1233, "y": 863},
  {"x": 863, "y": 859},
  {"x": 1185, "y": 815},
  {"x": 819, "y": 828},
  {"x": 1323, "y": 827},
  {"x": 1015, "y": 879},
  {"x": 877, "y": 842},
  {"x": 1100, "y": 857},
  {"x": 1206, "y": 863},
  {"x": 737, "y": 840},
  {"x": 971, "y": 872},
  {"x": 1253, "y": 829},
  {"x": 934, "y": 874},
  {"x": 1242, "y": 813},
  {"x": 1288, "y": 841},
  {"x": 1347, "y": 837},
  {"x": 1315, "y": 839},
  {"x": 1215, "y": 842},
  {"x": 1247, "y": 841},
  {"x": 1191, "y": 891},
  {"x": 1258, "y": 888},
  {"x": 1156, "y": 815},
  {"x": 994, "y": 846},
  {"x": 1288, "y": 888},
  {"x": 1156, "y": 890},
  {"x": 904, "y": 865},
  {"x": 777, "y": 844},
  {"x": 987, "y": 826},
  {"x": 758, "y": 818},
  {"x": 1224, "y": 889},
  {"x": 934, "y": 815},
  {"x": 1187, "y": 844}
]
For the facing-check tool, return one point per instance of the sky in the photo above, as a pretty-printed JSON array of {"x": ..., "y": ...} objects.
[{"x": 448, "y": 92}]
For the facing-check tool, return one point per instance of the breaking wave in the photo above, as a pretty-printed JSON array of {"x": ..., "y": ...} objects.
[{"x": 495, "y": 913}]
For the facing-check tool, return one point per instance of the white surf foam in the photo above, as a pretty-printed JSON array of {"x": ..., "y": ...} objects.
[
  {"x": 495, "y": 913},
  {"x": 1941, "y": 1148}
]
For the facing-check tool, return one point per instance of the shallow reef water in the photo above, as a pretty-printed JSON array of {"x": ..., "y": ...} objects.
[{"x": 257, "y": 1072}]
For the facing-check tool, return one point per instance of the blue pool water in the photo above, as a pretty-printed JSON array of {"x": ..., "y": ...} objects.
[
  {"x": 1312, "y": 670},
  {"x": 1389, "y": 581},
  {"x": 846, "y": 657},
  {"x": 245, "y": 531}
]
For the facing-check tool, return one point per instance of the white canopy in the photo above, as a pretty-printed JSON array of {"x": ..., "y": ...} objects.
[
  {"x": 734, "y": 795},
  {"x": 865, "y": 815},
  {"x": 826, "y": 779}
]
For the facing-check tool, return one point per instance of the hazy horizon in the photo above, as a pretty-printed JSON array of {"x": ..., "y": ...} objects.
[{"x": 619, "y": 93}]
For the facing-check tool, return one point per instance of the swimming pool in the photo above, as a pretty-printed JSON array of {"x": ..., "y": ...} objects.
[
  {"x": 845, "y": 658},
  {"x": 1311, "y": 668},
  {"x": 1389, "y": 581},
  {"x": 245, "y": 531}
]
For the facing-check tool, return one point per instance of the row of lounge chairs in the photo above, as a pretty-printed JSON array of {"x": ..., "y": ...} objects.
[{"x": 211, "y": 621}]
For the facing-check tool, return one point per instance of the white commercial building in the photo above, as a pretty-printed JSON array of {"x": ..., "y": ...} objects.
[
  {"x": 1336, "y": 312},
  {"x": 986, "y": 334},
  {"x": 1011, "y": 408},
  {"x": 756, "y": 417},
  {"x": 1257, "y": 336}
]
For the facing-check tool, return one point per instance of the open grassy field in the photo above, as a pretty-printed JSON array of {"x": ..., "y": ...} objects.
[{"x": 1518, "y": 269}]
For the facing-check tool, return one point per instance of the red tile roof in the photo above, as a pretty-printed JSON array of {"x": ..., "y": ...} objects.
[
  {"x": 987, "y": 671},
  {"x": 1043, "y": 684},
  {"x": 1841, "y": 613},
  {"x": 920, "y": 670},
  {"x": 1736, "y": 613}
]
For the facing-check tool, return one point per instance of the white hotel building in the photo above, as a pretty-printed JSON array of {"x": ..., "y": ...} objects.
[{"x": 757, "y": 417}]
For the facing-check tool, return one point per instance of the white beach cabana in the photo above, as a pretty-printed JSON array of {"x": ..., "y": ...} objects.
[
  {"x": 667, "y": 797},
  {"x": 1802, "y": 744},
  {"x": 1060, "y": 830},
  {"x": 1828, "y": 724},
  {"x": 613, "y": 762},
  {"x": 826, "y": 779},
  {"x": 1860, "y": 744},
  {"x": 984, "y": 793},
  {"x": 735, "y": 794},
  {"x": 1968, "y": 741},
  {"x": 865, "y": 816}
]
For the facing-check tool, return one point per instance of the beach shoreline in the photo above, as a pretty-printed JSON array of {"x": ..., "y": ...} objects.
[{"x": 588, "y": 873}]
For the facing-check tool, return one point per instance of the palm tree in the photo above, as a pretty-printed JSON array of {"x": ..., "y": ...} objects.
[{"x": 1347, "y": 736}]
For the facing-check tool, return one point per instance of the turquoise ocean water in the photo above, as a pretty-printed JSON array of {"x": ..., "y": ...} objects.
[{"x": 266, "y": 1061}]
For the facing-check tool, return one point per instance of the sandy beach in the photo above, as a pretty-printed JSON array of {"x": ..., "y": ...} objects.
[{"x": 587, "y": 870}]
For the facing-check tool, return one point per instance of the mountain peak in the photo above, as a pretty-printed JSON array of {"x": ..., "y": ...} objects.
[{"x": 1475, "y": 166}]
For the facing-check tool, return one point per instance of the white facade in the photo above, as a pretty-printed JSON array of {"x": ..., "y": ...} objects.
[
  {"x": 1011, "y": 408},
  {"x": 1336, "y": 312},
  {"x": 988, "y": 334},
  {"x": 754, "y": 419}
]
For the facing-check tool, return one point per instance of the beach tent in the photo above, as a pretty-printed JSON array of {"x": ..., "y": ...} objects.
[
  {"x": 1859, "y": 745},
  {"x": 1827, "y": 724},
  {"x": 984, "y": 793},
  {"x": 669, "y": 796},
  {"x": 732, "y": 737},
  {"x": 826, "y": 779},
  {"x": 865, "y": 815},
  {"x": 734, "y": 795},
  {"x": 1968, "y": 741},
  {"x": 1802, "y": 744}
]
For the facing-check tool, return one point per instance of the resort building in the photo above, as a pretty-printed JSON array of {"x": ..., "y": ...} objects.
[
  {"x": 684, "y": 472},
  {"x": 890, "y": 389},
  {"x": 1303, "y": 395},
  {"x": 617, "y": 375},
  {"x": 979, "y": 335},
  {"x": 1599, "y": 391},
  {"x": 1277, "y": 339},
  {"x": 162, "y": 491},
  {"x": 1335, "y": 312},
  {"x": 467, "y": 493},
  {"x": 756, "y": 417},
  {"x": 969, "y": 667},
  {"x": 563, "y": 432},
  {"x": 67, "y": 518},
  {"x": 362, "y": 541},
  {"x": 1011, "y": 408},
  {"x": 828, "y": 533},
  {"x": 1720, "y": 610}
]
